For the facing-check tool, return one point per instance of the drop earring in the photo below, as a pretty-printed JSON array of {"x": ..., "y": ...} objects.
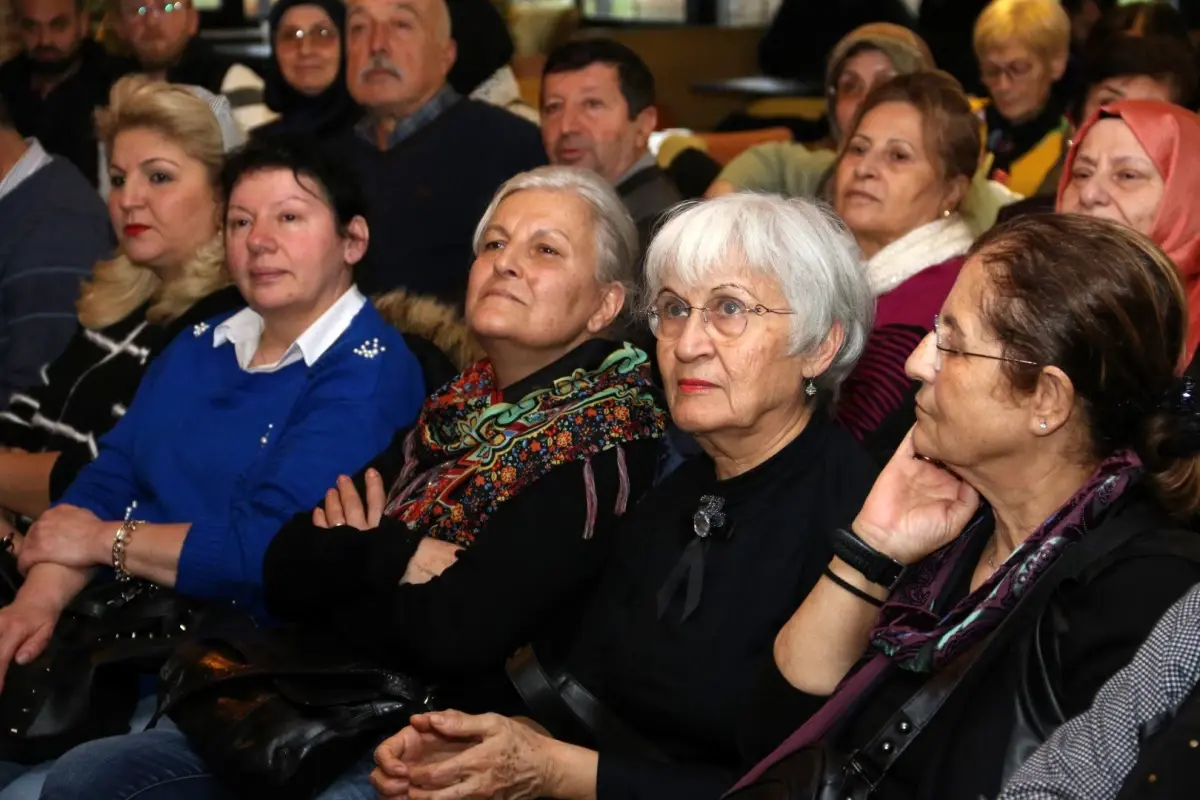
[{"x": 810, "y": 387}]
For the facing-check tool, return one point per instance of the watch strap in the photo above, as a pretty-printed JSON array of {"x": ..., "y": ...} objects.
[{"x": 873, "y": 565}]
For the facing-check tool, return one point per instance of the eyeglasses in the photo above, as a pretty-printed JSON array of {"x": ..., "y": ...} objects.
[
  {"x": 132, "y": 10},
  {"x": 1017, "y": 70},
  {"x": 940, "y": 347},
  {"x": 318, "y": 35},
  {"x": 729, "y": 317}
]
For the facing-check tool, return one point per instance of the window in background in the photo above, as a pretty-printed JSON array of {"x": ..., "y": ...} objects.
[
  {"x": 636, "y": 10},
  {"x": 746, "y": 13}
]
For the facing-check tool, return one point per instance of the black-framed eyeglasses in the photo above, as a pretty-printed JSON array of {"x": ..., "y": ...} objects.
[
  {"x": 941, "y": 347},
  {"x": 728, "y": 316}
]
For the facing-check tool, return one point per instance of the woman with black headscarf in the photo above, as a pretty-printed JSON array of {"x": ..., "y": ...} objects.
[{"x": 306, "y": 78}]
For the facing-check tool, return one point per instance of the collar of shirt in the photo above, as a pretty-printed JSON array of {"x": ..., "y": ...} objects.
[
  {"x": 34, "y": 159},
  {"x": 645, "y": 162},
  {"x": 414, "y": 122},
  {"x": 244, "y": 329}
]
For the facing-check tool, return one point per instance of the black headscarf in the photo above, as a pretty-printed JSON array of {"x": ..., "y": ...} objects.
[
  {"x": 483, "y": 42},
  {"x": 325, "y": 113}
]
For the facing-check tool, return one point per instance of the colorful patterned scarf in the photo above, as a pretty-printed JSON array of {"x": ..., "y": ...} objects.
[
  {"x": 915, "y": 638},
  {"x": 478, "y": 451}
]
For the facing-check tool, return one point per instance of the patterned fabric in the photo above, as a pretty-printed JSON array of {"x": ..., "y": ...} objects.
[
  {"x": 414, "y": 122},
  {"x": 914, "y": 638},
  {"x": 480, "y": 451},
  {"x": 1090, "y": 757}
]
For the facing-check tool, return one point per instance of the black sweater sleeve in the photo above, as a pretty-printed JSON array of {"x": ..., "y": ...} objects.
[
  {"x": 619, "y": 778},
  {"x": 528, "y": 562}
]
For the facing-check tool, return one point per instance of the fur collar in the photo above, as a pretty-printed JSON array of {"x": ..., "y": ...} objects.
[{"x": 919, "y": 249}]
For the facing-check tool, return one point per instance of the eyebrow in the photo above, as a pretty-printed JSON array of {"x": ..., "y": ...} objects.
[
  {"x": 547, "y": 231},
  {"x": 949, "y": 321},
  {"x": 306, "y": 199}
]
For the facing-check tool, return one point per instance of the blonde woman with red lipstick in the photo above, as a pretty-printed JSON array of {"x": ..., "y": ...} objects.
[{"x": 168, "y": 144}]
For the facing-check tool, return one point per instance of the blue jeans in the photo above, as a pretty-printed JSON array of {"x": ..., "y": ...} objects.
[{"x": 159, "y": 764}]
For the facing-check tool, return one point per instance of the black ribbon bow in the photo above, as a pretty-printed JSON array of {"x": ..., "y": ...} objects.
[{"x": 690, "y": 567}]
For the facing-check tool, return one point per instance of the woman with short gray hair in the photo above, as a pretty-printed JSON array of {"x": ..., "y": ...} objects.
[{"x": 760, "y": 309}]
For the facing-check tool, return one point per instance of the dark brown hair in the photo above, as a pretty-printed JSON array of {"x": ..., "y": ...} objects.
[
  {"x": 953, "y": 132},
  {"x": 1105, "y": 305}
]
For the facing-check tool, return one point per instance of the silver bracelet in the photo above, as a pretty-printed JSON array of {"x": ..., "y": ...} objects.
[{"x": 120, "y": 542}]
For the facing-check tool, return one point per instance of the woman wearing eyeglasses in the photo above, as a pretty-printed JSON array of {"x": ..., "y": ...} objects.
[
  {"x": 760, "y": 309},
  {"x": 306, "y": 77},
  {"x": 898, "y": 183},
  {"x": 1036, "y": 519}
]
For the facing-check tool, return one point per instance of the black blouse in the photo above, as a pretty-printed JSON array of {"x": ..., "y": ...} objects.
[
  {"x": 683, "y": 684},
  {"x": 527, "y": 575},
  {"x": 962, "y": 752}
]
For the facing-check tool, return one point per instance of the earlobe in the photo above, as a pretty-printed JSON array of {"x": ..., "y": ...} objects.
[{"x": 358, "y": 238}]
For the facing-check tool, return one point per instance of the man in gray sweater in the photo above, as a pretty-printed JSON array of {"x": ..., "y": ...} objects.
[{"x": 53, "y": 229}]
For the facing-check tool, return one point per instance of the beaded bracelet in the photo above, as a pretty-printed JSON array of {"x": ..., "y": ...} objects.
[{"x": 120, "y": 542}]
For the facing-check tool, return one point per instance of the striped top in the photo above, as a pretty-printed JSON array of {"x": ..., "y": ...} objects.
[
  {"x": 876, "y": 402},
  {"x": 85, "y": 391}
]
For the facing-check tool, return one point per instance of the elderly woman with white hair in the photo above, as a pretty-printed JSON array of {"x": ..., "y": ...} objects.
[
  {"x": 760, "y": 311},
  {"x": 487, "y": 522}
]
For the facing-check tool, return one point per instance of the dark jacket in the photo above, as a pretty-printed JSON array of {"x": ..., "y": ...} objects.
[
  {"x": 64, "y": 121},
  {"x": 526, "y": 576},
  {"x": 647, "y": 193},
  {"x": 1090, "y": 628}
]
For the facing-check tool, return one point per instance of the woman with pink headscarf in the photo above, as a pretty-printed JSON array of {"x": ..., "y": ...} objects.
[{"x": 1130, "y": 164}]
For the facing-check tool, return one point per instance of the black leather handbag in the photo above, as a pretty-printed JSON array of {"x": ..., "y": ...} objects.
[
  {"x": 281, "y": 713},
  {"x": 84, "y": 685}
]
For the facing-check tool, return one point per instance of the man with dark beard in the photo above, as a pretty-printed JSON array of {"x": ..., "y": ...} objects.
[{"x": 57, "y": 81}]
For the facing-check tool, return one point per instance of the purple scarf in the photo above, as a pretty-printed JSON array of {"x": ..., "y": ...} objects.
[{"x": 910, "y": 635}]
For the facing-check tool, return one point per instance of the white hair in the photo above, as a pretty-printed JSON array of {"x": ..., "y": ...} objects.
[
  {"x": 799, "y": 245},
  {"x": 616, "y": 235}
]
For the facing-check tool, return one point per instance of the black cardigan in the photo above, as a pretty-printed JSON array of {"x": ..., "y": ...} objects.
[
  {"x": 526, "y": 576},
  {"x": 1090, "y": 629},
  {"x": 683, "y": 684}
]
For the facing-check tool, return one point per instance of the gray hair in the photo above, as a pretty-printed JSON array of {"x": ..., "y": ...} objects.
[
  {"x": 616, "y": 235},
  {"x": 800, "y": 245}
]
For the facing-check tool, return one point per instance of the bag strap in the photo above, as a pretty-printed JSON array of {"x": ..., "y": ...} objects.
[
  {"x": 871, "y": 763},
  {"x": 557, "y": 700}
]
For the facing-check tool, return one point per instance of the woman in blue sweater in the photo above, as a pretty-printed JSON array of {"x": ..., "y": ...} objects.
[{"x": 245, "y": 419}]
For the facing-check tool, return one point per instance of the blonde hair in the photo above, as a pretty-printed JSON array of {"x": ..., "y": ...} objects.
[
  {"x": 1041, "y": 25},
  {"x": 118, "y": 286}
]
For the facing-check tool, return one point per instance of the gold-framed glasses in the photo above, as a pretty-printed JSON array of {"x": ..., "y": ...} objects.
[
  {"x": 940, "y": 347},
  {"x": 728, "y": 316},
  {"x": 318, "y": 36}
]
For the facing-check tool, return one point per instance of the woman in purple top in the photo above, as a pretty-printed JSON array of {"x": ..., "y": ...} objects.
[{"x": 902, "y": 173}]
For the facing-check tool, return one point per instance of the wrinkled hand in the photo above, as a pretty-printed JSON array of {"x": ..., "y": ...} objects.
[
  {"x": 411, "y": 746},
  {"x": 432, "y": 558},
  {"x": 67, "y": 535},
  {"x": 915, "y": 507},
  {"x": 25, "y": 628},
  {"x": 343, "y": 506},
  {"x": 501, "y": 759}
]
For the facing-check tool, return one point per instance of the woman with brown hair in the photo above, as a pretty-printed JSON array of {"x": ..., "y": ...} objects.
[
  {"x": 1027, "y": 535},
  {"x": 168, "y": 144}
]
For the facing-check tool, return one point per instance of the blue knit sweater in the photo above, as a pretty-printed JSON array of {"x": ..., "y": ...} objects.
[{"x": 237, "y": 454}]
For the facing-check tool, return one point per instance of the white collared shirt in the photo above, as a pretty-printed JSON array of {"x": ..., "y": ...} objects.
[
  {"x": 244, "y": 329},
  {"x": 34, "y": 159}
]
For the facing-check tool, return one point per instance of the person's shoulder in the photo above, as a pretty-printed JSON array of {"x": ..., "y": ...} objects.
[
  {"x": 369, "y": 358},
  {"x": 60, "y": 183},
  {"x": 489, "y": 123}
]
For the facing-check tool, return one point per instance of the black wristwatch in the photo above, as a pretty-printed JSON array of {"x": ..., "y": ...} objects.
[{"x": 873, "y": 565}]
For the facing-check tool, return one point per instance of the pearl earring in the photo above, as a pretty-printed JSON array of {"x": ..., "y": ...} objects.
[
  {"x": 946, "y": 213},
  {"x": 1042, "y": 424}
]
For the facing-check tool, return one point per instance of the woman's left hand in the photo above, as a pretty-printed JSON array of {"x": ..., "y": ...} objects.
[
  {"x": 66, "y": 535},
  {"x": 506, "y": 759},
  {"x": 343, "y": 506}
]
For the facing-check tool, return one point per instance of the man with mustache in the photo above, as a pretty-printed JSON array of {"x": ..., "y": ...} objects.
[
  {"x": 428, "y": 158},
  {"x": 598, "y": 113},
  {"x": 164, "y": 40},
  {"x": 58, "y": 80}
]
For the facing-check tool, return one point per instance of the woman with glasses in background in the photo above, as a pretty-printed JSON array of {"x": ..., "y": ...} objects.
[
  {"x": 760, "y": 310},
  {"x": 306, "y": 76}
]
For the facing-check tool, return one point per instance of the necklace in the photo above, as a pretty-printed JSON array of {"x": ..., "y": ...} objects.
[{"x": 992, "y": 553}]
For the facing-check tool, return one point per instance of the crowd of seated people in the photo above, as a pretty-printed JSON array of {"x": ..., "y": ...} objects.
[{"x": 874, "y": 468}]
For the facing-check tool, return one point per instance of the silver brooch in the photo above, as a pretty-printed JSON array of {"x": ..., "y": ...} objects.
[
  {"x": 370, "y": 349},
  {"x": 198, "y": 330},
  {"x": 709, "y": 515}
]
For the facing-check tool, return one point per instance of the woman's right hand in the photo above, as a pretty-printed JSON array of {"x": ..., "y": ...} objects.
[
  {"x": 915, "y": 507},
  {"x": 25, "y": 628}
]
